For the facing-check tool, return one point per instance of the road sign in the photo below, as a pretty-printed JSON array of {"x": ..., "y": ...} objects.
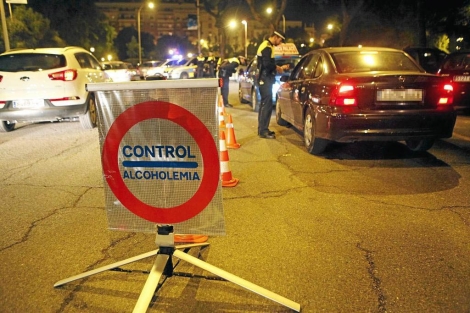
[{"x": 160, "y": 157}]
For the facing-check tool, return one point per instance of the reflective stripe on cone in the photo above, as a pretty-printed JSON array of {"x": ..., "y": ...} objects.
[
  {"x": 231, "y": 140},
  {"x": 225, "y": 172}
]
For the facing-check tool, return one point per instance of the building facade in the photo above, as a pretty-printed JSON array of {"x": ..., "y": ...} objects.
[
  {"x": 179, "y": 17},
  {"x": 167, "y": 18}
]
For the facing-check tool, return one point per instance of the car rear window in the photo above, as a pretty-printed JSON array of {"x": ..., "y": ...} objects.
[
  {"x": 116, "y": 66},
  {"x": 457, "y": 62},
  {"x": 31, "y": 62},
  {"x": 151, "y": 64},
  {"x": 365, "y": 61}
]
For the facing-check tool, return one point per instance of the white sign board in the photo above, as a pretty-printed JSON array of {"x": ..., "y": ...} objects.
[
  {"x": 160, "y": 156},
  {"x": 17, "y": 1}
]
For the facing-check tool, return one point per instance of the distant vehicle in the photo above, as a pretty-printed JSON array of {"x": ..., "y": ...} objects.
[
  {"x": 118, "y": 71},
  {"x": 429, "y": 58},
  {"x": 161, "y": 69},
  {"x": 48, "y": 84},
  {"x": 248, "y": 89},
  {"x": 143, "y": 68},
  {"x": 351, "y": 94},
  {"x": 183, "y": 69},
  {"x": 456, "y": 66}
]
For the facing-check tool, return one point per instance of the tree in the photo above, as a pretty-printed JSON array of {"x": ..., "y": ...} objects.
[
  {"x": 79, "y": 22},
  {"x": 270, "y": 20},
  {"x": 218, "y": 9},
  {"x": 125, "y": 49},
  {"x": 167, "y": 42},
  {"x": 29, "y": 29}
]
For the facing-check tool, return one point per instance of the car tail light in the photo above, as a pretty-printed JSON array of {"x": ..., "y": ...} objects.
[
  {"x": 1, "y": 78},
  {"x": 344, "y": 94},
  {"x": 447, "y": 95},
  {"x": 67, "y": 75}
]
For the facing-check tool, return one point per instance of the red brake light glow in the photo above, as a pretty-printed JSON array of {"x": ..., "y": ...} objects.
[
  {"x": 344, "y": 95},
  {"x": 67, "y": 75},
  {"x": 447, "y": 97}
]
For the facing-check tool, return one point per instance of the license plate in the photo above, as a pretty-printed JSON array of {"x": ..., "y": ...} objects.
[
  {"x": 461, "y": 78},
  {"x": 400, "y": 95},
  {"x": 28, "y": 104}
]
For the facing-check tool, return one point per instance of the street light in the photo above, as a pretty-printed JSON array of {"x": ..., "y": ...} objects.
[
  {"x": 151, "y": 6},
  {"x": 270, "y": 10},
  {"x": 246, "y": 46},
  {"x": 233, "y": 24}
]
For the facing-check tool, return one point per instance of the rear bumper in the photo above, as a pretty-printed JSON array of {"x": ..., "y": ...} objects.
[
  {"x": 49, "y": 112},
  {"x": 385, "y": 127}
]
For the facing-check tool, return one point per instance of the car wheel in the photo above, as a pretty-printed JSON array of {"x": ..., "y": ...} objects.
[
  {"x": 314, "y": 145},
  {"x": 419, "y": 145},
  {"x": 6, "y": 127},
  {"x": 240, "y": 95},
  {"x": 184, "y": 75},
  {"x": 88, "y": 120},
  {"x": 280, "y": 121},
  {"x": 254, "y": 100}
]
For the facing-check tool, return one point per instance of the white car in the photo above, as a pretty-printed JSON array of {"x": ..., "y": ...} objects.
[
  {"x": 118, "y": 71},
  {"x": 147, "y": 65},
  {"x": 183, "y": 69},
  {"x": 160, "y": 69},
  {"x": 48, "y": 84}
]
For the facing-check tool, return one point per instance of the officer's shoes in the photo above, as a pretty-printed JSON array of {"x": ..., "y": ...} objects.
[{"x": 268, "y": 135}]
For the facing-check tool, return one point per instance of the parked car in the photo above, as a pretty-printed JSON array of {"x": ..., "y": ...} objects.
[
  {"x": 143, "y": 68},
  {"x": 248, "y": 89},
  {"x": 429, "y": 58},
  {"x": 183, "y": 69},
  {"x": 118, "y": 71},
  {"x": 47, "y": 84},
  {"x": 365, "y": 94},
  {"x": 162, "y": 68},
  {"x": 456, "y": 66}
]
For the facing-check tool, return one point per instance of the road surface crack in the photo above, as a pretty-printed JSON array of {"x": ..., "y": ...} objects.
[{"x": 376, "y": 282}]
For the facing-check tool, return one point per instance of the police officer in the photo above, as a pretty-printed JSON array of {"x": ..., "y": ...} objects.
[
  {"x": 226, "y": 69},
  {"x": 200, "y": 66},
  {"x": 267, "y": 72},
  {"x": 211, "y": 62}
]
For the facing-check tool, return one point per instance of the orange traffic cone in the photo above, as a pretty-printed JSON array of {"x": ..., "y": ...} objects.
[
  {"x": 231, "y": 140},
  {"x": 225, "y": 172},
  {"x": 190, "y": 238},
  {"x": 221, "y": 120},
  {"x": 221, "y": 106}
]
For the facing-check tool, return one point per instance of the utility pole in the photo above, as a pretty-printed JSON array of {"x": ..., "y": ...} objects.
[
  {"x": 4, "y": 26},
  {"x": 198, "y": 29}
]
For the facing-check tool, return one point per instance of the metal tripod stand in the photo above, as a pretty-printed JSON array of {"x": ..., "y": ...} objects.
[{"x": 163, "y": 266}]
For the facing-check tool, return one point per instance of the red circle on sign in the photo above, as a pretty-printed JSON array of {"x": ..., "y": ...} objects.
[{"x": 210, "y": 159}]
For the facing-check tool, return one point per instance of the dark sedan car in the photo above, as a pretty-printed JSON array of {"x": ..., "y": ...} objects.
[
  {"x": 365, "y": 94},
  {"x": 456, "y": 66}
]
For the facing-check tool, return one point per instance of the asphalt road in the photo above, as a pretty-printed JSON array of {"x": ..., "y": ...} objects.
[{"x": 366, "y": 228}]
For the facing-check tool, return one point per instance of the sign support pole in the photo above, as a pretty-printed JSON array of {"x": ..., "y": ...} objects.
[{"x": 163, "y": 267}]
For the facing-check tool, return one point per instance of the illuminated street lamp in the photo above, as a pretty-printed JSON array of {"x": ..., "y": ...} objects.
[
  {"x": 151, "y": 5},
  {"x": 246, "y": 43},
  {"x": 233, "y": 24},
  {"x": 270, "y": 10}
]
